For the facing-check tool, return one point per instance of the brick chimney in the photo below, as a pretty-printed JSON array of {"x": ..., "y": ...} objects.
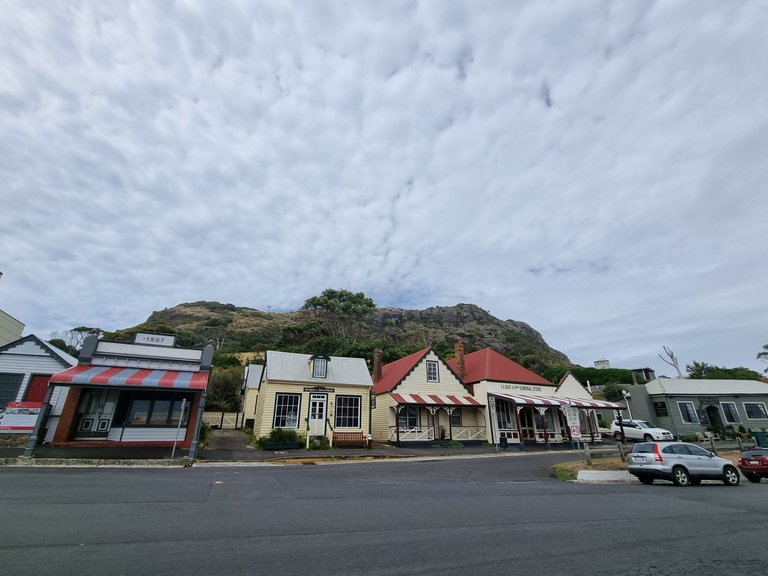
[
  {"x": 377, "y": 353},
  {"x": 459, "y": 353}
]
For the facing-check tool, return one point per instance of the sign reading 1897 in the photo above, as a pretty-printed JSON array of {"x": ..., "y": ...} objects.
[{"x": 155, "y": 339}]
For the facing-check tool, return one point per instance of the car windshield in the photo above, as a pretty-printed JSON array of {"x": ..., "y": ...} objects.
[
  {"x": 753, "y": 453},
  {"x": 642, "y": 424}
]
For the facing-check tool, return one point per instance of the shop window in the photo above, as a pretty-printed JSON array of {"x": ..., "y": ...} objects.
[
  {"x": 755, "y": 411},
  {"x": 730, "y": 412},
  {"x": 688, "y": 412},
  {"x": 287, "y": 410},
  {"x": 505, "y": 415},
  {"x": 432, "y": 374},
  {"x": 163, "y": 410},
  {"x": 347, "y": 412}
]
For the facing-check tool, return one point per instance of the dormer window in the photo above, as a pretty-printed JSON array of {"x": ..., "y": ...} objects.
[
  {"x": 319, "y": 366},
  {"x": 432, "y": 375}
]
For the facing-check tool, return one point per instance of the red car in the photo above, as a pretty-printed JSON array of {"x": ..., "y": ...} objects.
[{"x": 753, "y": 463}]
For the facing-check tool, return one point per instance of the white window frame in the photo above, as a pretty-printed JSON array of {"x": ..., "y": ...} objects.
[
  {"x": 692, "y": 411},
  {"x": 435, "y": 375},
  {"x": 408, "y": 412},
  {"x": 353, "y": 408},
  {"x": 294, "y": 418},
  {"x": 319, "y": 367},
  {"x": 762, "y": 406},
  {"x": 735, "y": 411},
  {"x": 455, "y": 417}
]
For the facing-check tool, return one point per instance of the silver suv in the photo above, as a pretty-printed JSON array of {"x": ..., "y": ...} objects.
[
  {"x": 640, "y": 430},
  {"x": 682, "y": 463}
]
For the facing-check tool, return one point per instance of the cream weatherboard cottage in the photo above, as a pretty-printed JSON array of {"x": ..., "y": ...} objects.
[
  {"x": 315, "y": 395},
  {"x": 420, "y": 400}
]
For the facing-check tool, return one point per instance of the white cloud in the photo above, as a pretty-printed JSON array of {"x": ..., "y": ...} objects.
[{"x": 591, "y": 168}]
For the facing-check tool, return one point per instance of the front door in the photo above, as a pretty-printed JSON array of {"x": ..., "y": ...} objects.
[
  {"x": 527, "y": 427},
  {"x": 95, "y": 412},
  {"x": 317, "y": 403}
]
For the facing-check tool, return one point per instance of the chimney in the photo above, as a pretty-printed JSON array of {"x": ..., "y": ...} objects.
[
  {"x": 459, "y": 352},
  {"x": 377, "y": 353}
]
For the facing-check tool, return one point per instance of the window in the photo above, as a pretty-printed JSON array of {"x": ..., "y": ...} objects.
[
  {"x": 409, "y": 417},
  {"x": 319, "y": 367},
  {"x": 432, "y": 375},
  {"x": 9, "y": 387},
  {"x": 162, "y": 410},
  {"x": 755, "y": 411},
  {"x": 687, "y": 412},
  {"x": 348, "y": 411},
  {"x": 287, "y": 410},
  {"x": 505, "y": 415},
  {"x": 456, "y": 417},
  {"x": 729, "y": 411}
]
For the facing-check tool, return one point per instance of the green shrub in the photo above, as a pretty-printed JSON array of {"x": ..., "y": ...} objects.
[{"x": 280, "y": 435}]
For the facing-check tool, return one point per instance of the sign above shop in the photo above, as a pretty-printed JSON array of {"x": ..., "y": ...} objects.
[
  {"x": 154, "y": 339},
  {"x": 319, "y": 389}
]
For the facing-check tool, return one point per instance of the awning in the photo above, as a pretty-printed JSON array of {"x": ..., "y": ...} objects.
[
  {"x": 553, "y": 401},
  {"x": 131, "y": 377},
  {"x": 435, "y": 400}
]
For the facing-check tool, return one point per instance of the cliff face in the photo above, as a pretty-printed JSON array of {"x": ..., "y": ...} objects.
[{"x": 236, "y": 329}]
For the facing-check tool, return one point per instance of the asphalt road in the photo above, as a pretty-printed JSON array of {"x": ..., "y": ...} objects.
[{"x": 451, "y": 517}]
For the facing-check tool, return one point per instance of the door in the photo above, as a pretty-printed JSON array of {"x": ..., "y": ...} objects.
[
  {"x": 37, "y": 389},
  {"x": 527, "y": 428},
  {"x": 95, "y": 412},
  {"x": 317, "y": 404}
]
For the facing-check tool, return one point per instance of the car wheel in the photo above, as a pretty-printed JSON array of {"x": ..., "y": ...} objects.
[
  {"x": 647, "y": 437},
  {"x": 617, "y": 435},
  {"x": 645, "y": 479},
  {"x": 680, "y": 476},
  {"x": 730, "y": 476},
  {"x": 754, "y": 478}
]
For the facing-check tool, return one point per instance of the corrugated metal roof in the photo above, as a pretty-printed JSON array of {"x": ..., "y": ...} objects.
[
  {"x": 688, "y": 386},
  {"x": 113, "y": 376},
  {"x": 292, "y": 367},
  {"x": 488, "y": 364}
]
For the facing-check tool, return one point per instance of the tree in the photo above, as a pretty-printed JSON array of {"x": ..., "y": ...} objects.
[
  {"x": 74, "y": 338},
  {"x": 763, "y": 356},
  {"x": 672, "y": 360},
  {"x": 704, "y": 371},
  {"x": 341, "y": 312},
  {"x": 223, "y": 392}
]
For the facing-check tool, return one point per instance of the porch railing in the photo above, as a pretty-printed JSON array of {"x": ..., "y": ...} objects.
[{"x": 416, "y": 433}]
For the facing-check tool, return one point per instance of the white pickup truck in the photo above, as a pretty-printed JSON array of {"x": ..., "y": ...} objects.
[{"x": 640, "y": 430}]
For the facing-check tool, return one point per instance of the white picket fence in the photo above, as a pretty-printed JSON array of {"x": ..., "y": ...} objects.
[{"x": 225, "y": 421}]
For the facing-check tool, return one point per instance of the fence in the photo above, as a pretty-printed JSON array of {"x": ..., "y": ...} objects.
[{"x": 222, "y": 420}]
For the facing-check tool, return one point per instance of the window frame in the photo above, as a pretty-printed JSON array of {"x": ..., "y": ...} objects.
[
  {"x": 762, "y": 406},
  {"x": 692, "y": 412},
  {"x": 358, "y": 416},
  {"x": 148, "y": 410},
  {"x": 287, "y": 415},
  {"x": 434, "y": 365},
  {"x": 726, "y": 413},
  {"x": 320, "y": 367},
  {"x": 455, "y": 418},
  {"x": 11, "y": 383},
  {"x": 408, "y": 412}
]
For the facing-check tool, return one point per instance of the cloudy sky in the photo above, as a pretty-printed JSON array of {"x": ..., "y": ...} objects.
[{"x": 594, "y": 168}]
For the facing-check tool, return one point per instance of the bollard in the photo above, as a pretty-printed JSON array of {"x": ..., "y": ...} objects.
[
  {"x": 622, "y": 455},
  {"x": 588, "y": 454}
]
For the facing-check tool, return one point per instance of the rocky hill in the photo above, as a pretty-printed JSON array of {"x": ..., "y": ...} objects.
[{"x": 397, "y": 331}]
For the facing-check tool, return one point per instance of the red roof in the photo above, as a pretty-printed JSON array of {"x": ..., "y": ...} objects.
[
  {"x": 394, "y": 372},
  {"x": 487, "y": 364}
]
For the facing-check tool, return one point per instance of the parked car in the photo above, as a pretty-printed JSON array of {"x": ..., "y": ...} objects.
[
  {"x": 753, "y": 463},
  {"x": 680, "y": 462},
  {"x": 640, "y": 430}
]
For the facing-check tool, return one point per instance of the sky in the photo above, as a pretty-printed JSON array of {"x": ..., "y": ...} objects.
[{"x": 595, "y": 169}]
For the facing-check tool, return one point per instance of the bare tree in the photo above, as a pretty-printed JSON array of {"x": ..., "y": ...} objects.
[{"x": 672, "y": 360}]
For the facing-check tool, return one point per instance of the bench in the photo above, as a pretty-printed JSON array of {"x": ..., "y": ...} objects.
[{"x": 356, "y": 439}]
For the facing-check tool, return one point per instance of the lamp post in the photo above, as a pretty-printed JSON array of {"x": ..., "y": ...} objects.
[{"x": 627, "y": 396}]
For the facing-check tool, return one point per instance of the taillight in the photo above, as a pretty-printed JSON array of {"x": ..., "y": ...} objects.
[{"x": 657, "y": 454}]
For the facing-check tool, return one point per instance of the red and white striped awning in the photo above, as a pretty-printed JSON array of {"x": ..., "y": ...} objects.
[
  {"x": 553, "y": 401},
  {"x": 131, "y": 377},
  {"x": 435, "y": 400}
]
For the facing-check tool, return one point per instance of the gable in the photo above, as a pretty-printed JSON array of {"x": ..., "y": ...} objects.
[
  {"x": 426, "y": 374},
  {"x": 32, "y": 355},
  {"x": 570, "y": 387}
]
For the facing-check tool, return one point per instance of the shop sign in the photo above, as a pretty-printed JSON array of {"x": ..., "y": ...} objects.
[
  {"x": 320, "y": 389},
  {"x": 154, "y": 339}
]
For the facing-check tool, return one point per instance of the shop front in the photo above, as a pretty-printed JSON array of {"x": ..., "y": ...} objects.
[{"x": 145, "y": 393}]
